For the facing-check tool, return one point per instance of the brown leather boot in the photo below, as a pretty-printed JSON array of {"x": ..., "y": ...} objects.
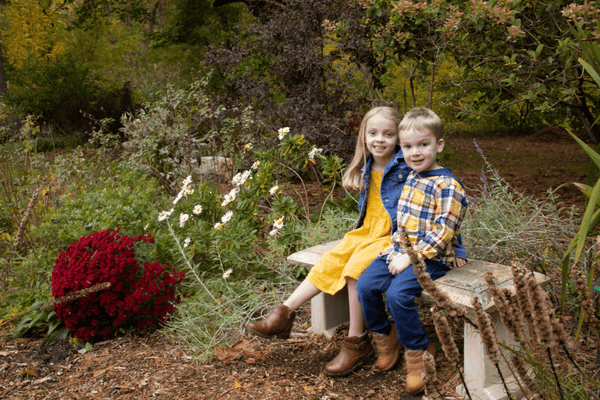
[
  {"x": 388, "y": 349},
  {"x": 278, "y": 323},
  {"x": 354, "y": 352},
  {"x": 415, "y": 367}
]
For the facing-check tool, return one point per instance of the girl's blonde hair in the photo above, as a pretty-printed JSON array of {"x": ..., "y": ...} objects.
[{"x": 353, "y": 179}]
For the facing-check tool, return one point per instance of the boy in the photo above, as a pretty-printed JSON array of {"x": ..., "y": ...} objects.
[{"x": 431, "y": 208}]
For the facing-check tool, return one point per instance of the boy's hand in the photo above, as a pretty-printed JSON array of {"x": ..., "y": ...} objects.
[
  {"x": 459, "y": 262},
  {"x": 399, "y": 264}
]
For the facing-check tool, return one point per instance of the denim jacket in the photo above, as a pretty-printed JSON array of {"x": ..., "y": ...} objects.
[{"x": 394, "y": 176}]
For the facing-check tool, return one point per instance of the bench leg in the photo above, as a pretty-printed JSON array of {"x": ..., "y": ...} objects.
[
  {"x": 327, "y": 312},
  {"x": 480, "y": 374}
]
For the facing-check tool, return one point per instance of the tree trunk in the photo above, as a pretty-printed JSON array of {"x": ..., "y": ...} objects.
[
  {"x": 431, "y": 82},
  {"x": 3, "y": 86}
]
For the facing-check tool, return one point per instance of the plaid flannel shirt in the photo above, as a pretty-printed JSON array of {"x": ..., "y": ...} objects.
[{"x": 431, "y": 210}]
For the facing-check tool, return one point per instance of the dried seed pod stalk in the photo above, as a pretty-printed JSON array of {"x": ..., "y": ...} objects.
[
  {"x": 522, "y": 372},
  {"x": 425, "y": 280},
  {"x": 442, "y": 328},
  {"x": 444, "y": 332},
  {"x": 521, "y": 289},
  {"x": 586, "y": 303},
  {"x": 487, "y": 331},
  {"x": 540, "y": 311},
  {"x": 20, "y": 234},
  {"x": 430, "y": 376},
  {"x": 502, "y": 300}
]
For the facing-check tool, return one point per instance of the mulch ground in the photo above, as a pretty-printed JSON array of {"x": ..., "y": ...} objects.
[
  {"x": 140, "y": 366},
  {"x": 154, "y": 365}
]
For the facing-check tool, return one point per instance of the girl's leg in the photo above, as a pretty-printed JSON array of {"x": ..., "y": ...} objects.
[
  {"x": 280, "y": 320},
  {"x": 357, "y": 318},
  {"x": 356, "y": 348},
  {"x": 301, "y": 295}
]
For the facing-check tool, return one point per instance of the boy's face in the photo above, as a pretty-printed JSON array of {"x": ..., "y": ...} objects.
[{"x": 420, "y": 149}]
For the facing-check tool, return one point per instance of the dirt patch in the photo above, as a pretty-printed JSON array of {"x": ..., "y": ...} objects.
[{"x": 531, "y": 164}]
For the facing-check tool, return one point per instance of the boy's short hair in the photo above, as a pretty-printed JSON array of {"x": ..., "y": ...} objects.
[{"x": 420, "y": 118}]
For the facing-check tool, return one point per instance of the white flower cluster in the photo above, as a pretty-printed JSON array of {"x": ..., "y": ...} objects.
[
  {"x": 282, "y": 132},
  {"x": 185, "y": 190},
  {"x": 183, "y": 217},
  {"x": 224, "y": 219},
  {"x": 274, "y": 190},
  {"x": 313, "y": 153},
  {"x": 165, "y": 214},
  {"x": 277, "y": 225},
  {"x": 240, "y": 178},
  {"x": 229, "y": 197}
]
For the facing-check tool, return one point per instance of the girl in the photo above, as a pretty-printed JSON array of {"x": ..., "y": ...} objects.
[{"x": 378, "y": 172}]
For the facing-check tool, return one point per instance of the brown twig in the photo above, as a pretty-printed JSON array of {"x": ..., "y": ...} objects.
[{"x": 65, "y": 298}]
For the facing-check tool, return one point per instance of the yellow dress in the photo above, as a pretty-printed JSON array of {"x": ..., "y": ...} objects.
[{"x": 357, "y": 250}]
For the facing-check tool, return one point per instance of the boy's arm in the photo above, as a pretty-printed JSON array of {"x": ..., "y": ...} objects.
[{"x": 450, "y": 207}]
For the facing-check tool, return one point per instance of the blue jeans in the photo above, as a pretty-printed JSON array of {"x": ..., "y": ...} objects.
[{"x": 401, "y": 292}]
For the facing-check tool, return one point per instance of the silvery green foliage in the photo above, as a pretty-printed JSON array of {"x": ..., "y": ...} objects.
[{"x": 168, "y": 138}]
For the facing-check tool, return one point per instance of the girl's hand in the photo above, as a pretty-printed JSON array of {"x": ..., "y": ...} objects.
[
  {"x": 399, "y": 264},
  {"x": 459, "y": 262}
]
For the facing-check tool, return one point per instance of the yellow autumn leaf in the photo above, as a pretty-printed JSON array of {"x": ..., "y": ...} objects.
[{"x": 237, "y": 385}]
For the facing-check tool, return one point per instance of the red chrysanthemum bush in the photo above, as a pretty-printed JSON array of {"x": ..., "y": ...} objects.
[{"x": 139, "y": 296}]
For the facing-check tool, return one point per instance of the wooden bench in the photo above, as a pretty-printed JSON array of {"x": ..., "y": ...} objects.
[{"x": 462, "y": 285}]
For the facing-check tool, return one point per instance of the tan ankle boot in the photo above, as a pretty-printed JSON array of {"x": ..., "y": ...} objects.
[
  {"x": 278, "y": 323},
  {"x": 415, "y": 367},
  {"x": 354, "y": 352},
  {"x": 388, "y": 349}
]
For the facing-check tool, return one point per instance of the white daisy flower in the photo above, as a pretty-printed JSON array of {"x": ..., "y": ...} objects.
[
  {"x": 197, "y": 209},
  {"x": 227, "y": 217},
  {"x": 273, "y": 190},
  {"x": 179, "y": 196},
  {"x": 186, "y": 242},
  {"x": 248, "y": 146},
  {"x": 187, "y": 181},
  {"x": 182, "y": 219},
  {"x": 163, "y": 215},
  {"x": 246, "y": 174},
  {"x": 227, "y": 273},
  {"x": 255, "y": 165},
  {"x": 313, "y": 153},
  {"x": 278, "y": 224},
  {"x": 218, "y": 225},
  {"x": 188, "y": 190},
  {"x": 282, "y": 132},
  {"x": 226, "y": 200},
  {"x": 238, "y": 180},
  {"x": 233, "y": 193},
  {"x": 273, "y": 232}
]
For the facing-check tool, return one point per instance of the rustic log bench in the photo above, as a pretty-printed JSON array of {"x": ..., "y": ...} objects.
[{"x": 462, "y": 285}]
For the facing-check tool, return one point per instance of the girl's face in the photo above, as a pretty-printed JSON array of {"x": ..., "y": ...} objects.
[{"x": 381, "y": 138}]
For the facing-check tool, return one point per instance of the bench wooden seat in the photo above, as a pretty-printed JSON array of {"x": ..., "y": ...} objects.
[{"x": 462, "y": 285}]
